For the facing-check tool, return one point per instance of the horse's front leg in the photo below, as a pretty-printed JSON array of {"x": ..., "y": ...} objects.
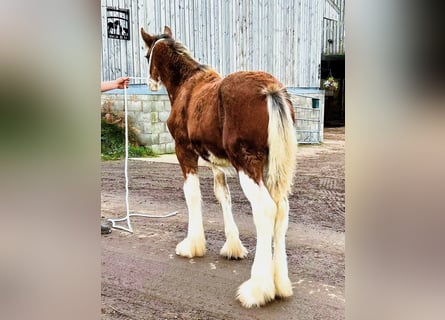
[{"x": 194, "y": 245}]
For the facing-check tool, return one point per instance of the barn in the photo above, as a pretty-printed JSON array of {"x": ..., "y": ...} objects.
[
  {"x": 286, "y": 38},
  {"x": 333, "y": 62}
]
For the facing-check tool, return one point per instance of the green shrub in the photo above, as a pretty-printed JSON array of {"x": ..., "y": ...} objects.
[{"x": 113, "y": 143}]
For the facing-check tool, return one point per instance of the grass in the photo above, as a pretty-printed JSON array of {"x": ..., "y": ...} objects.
[{"x": 113, "y": 143}]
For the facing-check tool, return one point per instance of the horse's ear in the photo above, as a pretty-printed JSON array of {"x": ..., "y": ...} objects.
[
  {"x": 148, "y": 39},
  {"x": 167, "y": 31}
]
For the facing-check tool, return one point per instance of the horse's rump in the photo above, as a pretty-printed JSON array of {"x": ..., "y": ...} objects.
[{"x": 244, "y": 113}]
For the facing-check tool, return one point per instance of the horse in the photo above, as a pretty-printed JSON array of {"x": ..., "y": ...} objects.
[{"x": 244, "y": 121}]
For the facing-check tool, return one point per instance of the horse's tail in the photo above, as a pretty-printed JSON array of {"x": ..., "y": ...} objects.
[{"x": 282, "y": 142}]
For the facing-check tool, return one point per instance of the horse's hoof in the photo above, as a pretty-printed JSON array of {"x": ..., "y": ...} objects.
[
  {"x": 283, "y": 287},
  {"x": 256, "y": 292},
  {"x": 233, "y": 249},
  {"x": 190, "y": 248}
]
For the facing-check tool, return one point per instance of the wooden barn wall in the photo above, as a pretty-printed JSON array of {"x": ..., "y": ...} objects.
[
  {"x": 283, "y": 37},
  {"x": 334, "y": 27}
]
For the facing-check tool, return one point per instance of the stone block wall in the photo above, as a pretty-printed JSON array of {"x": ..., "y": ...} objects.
[{"x": 148, "y": 113}]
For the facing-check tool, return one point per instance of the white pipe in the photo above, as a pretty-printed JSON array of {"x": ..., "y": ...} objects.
[{"x": 129, "y": 228}]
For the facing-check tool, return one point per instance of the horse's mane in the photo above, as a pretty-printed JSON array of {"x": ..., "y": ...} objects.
[{"x": 182, "y": 50}]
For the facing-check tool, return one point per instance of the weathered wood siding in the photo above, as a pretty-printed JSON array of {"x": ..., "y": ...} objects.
[
  {"x": 283, "y": 37},
  {"x": 334, "y": 27}
]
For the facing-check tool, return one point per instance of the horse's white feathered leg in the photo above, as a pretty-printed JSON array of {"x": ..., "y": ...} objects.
[
  {"x": 194, "y": 244},
  {"x": 260, "y": 288},
  {"x": 282, "y": 143},
  {"x": 233, "y": 248},
  {"x": 283, "y": 285}
]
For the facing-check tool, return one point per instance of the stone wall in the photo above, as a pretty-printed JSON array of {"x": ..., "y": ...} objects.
[{"x": 148, "y": 113}]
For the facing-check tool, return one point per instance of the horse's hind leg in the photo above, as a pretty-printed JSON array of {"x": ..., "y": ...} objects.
[
  {"x": 283, "y": 285},
  {"x": 260, "y": 288},
  {"x": 233, "y": 248}
]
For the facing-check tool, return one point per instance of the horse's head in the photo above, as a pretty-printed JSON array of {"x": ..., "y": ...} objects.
[{"x": 154, "y": 79}]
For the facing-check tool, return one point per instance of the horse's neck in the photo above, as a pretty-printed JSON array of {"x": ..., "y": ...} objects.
[
  {"x": 174, "y": 90},
  {"x": 178, "y": 77},
  {"x": 203, "y": 83}
]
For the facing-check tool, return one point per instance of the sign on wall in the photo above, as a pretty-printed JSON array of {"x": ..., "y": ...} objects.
[{"x": 118, "y": 23}]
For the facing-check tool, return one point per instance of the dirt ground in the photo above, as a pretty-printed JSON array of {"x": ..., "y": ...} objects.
[{"x": 142, "y": 278}]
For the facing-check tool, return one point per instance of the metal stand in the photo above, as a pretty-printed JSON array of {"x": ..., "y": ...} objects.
[{"x": 129, "y": 228}]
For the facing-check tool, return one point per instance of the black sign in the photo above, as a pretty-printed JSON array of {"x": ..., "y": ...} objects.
[{"x": 118, "y": 23}]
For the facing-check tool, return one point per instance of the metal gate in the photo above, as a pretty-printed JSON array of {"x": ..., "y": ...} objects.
[
  {"x": 308, "y": 124},
  {"x": 308, "y": 118}
]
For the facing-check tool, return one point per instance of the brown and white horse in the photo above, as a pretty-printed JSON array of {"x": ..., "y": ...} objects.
[{"x": 244, "y": 121}]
